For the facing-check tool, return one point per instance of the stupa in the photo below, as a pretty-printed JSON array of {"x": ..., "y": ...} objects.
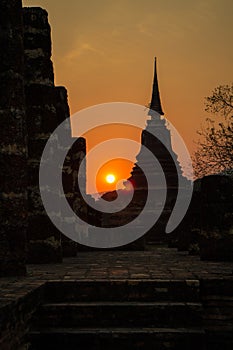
[{"x": 164, "y": 177}]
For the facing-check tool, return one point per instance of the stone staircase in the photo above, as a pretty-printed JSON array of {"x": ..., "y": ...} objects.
[
  {"x": 132, "y": 314},
  {"x": 217, "y": 300}
]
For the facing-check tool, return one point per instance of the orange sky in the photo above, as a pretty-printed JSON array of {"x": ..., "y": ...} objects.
[
  {"x": 103, "y": 51},
  {"x": 119, "y": 167}
]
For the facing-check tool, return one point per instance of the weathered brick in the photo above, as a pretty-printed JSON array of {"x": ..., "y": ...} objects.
[{"x": 13, "y": 147}]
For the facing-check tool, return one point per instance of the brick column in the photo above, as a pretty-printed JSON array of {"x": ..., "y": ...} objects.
[
  {"x": 44, "y": 240},
  {"x": 13, "y": 150},
  {"x": 70, "y": 172}
]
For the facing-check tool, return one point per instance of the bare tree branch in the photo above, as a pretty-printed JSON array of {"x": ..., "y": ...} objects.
[{"x": 214, "y": 148}]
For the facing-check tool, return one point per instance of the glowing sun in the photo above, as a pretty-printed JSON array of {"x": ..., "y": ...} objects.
[{"x": 110, "y": 178}]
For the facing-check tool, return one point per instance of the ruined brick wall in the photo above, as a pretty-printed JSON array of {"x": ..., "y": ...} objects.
[
  {"x": 31, "y": 108},
  {"x": 70, "y": 172},
  {"x": 46, "y": 107},
  {"x": 208, "y": 224},
  {"x": 44, "y": 245},
  {"x": 13, "y": 146},
  {"x": 73, "y": 180}
]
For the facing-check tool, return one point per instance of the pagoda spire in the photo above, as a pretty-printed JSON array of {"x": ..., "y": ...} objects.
[{"x": 155, "y": 99}]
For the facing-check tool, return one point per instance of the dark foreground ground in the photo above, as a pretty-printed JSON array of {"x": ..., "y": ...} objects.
[{"x": 159, "y": 299}]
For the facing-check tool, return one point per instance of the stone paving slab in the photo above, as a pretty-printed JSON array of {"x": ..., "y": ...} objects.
[{"x": 160, "y": 263}]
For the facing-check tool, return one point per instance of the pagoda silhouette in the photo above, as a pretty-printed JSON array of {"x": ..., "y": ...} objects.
[{"x": 164, "y": 177}]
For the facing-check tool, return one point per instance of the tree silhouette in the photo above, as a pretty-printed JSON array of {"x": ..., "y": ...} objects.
[{"x": 214, "y": 152}]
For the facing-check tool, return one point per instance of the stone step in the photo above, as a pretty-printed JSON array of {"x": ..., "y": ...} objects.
[
  {"x": 219, "y": 338},
  {"x": 216, "y": 287},
  {"x": 218, "y": 300},
  {"x": 218, "y": 317},
  {"x": 118, "y": 338},
  {"x": 122, "y": 290},
  {"x": 119, "y": 314}
]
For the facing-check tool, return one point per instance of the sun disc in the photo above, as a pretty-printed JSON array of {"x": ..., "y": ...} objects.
[{"x": 110, "y": 178}]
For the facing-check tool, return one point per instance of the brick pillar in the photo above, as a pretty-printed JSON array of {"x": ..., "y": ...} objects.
[
  {"x": 44, "y": 240},
  {"x": 70, "y": 171},
  {"x": 13, "y": 150},
  {"x": 69, "y": 247}
]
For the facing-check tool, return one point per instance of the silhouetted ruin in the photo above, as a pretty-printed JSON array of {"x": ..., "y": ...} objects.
[
  {"x": 32, "y": 107},
  {"x": 13, "y": 142},
  {"x": 155, "y": 297},
  {"x": 157, "y": 139},
  {"x": 44, "y": 245}
]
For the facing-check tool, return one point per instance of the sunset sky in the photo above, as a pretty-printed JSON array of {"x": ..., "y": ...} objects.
[{"x": 103, "y": 51}]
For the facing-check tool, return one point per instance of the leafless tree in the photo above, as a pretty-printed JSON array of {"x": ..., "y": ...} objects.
[{"x": 214, "y": 152}]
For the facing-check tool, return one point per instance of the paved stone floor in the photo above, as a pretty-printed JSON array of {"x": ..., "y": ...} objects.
[{"x": 160, "y": 263}]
